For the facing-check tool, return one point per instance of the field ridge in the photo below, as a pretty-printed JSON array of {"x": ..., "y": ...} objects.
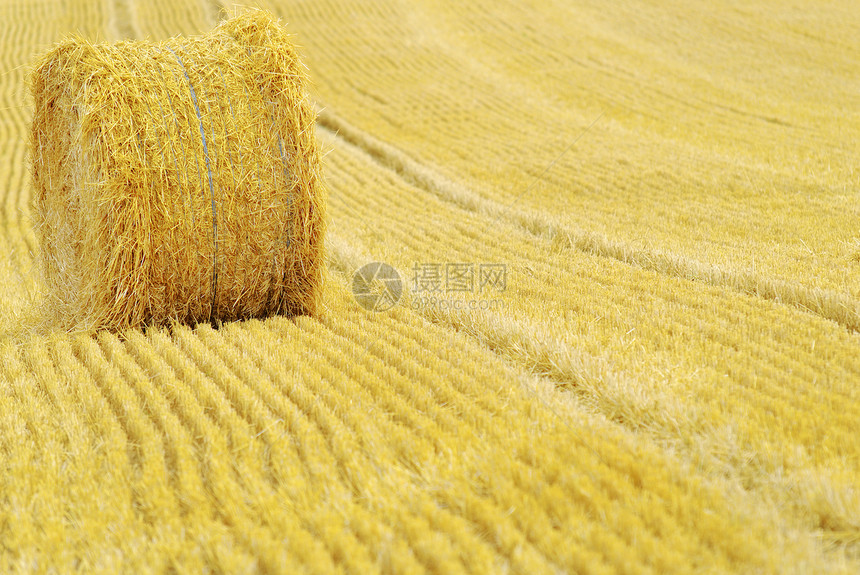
[{"x": 827, "y": 303}]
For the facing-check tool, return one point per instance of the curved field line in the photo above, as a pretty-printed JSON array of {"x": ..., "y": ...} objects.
[{"x": 829, "y": 304}]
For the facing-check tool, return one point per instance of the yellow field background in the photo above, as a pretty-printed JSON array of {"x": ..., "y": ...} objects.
[{"x": 670, "y": 382}]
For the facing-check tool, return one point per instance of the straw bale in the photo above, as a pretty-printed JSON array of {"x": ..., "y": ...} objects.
[{"x": 177, "y": 180}]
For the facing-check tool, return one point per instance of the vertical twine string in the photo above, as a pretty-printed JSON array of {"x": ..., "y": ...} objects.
[
  {"x": 287, "y": 178},
  {"x": 211, "y": 188}
]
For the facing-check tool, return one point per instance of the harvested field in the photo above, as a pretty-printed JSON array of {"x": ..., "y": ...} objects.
[{"x": 624, "y": 339}]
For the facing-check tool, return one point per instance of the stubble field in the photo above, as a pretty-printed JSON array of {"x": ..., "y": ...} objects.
[{"x": 627, "y": 341}]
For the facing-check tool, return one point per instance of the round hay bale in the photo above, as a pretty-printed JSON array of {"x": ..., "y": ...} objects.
[{"x": 177, "y": 180}]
